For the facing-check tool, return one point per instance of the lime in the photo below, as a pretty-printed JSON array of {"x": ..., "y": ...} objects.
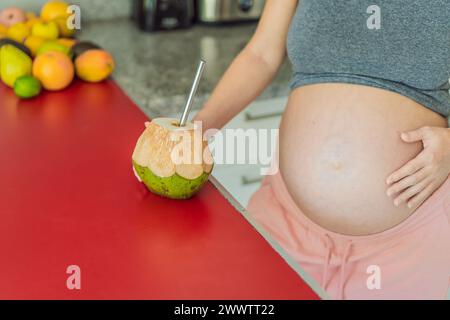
[{"x": 27, "y": 87}]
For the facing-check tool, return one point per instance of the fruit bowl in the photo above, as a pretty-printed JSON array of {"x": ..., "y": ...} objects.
[{"x": 44, "y": 47}]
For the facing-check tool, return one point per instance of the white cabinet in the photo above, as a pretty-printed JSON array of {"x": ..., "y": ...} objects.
[{"x": 242, "y": 180}]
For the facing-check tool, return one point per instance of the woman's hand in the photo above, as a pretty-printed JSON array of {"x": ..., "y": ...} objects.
[{"x": 421, "y": 176}]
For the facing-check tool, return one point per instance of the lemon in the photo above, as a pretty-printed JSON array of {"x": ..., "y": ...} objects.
[
  {"x": 27, "y": 87},
  {"x": 18, "y": 32}
]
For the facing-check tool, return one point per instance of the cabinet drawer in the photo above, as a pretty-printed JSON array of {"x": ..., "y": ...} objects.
[
  {"x": 260, "y": 115},
  {"x": 240, "y": 180}
]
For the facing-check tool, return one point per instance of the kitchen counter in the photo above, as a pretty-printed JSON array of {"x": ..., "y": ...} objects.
[
  {"x": 157, "y": 69},
  {"x": 77, "y": 205}
]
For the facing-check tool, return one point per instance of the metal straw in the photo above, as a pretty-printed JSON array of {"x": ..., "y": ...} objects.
[{"x": 187, "y": 108}]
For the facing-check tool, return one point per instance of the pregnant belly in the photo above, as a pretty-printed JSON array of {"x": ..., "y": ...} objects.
[{"x": 338, "y": 144}]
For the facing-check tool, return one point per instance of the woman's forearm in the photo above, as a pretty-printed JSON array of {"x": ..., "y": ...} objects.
[{"x": 245, "y": 79}]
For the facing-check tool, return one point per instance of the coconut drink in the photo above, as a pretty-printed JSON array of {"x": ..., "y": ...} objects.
[{"x": 172, "y": 160}]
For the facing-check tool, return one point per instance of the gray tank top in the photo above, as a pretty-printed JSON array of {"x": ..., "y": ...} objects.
[{"x": 398, "y": 45}]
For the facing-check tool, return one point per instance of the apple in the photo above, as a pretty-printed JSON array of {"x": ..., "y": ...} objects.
[{"x": 11, "y": 16}]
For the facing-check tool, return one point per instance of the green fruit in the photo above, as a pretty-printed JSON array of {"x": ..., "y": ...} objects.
[
  {"x": 27, "y": 87},
  {"x": 14, "y": 63},
  {"x": 174, "y": 187},
  {"x": 54, "y": 46}
]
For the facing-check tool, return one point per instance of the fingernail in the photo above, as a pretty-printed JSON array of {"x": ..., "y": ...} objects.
[
  {"x": 410, "y": 205},
  {"x": 396, "y": 203}
]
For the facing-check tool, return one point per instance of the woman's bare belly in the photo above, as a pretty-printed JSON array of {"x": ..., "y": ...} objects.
[{"x": 338, "y": 144}]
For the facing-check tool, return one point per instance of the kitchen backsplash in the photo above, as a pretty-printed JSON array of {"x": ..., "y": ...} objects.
[{"x": 91, "y": 10}]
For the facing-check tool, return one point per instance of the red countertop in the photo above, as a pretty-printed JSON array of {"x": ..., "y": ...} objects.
[{"x": 68, "y": 196}]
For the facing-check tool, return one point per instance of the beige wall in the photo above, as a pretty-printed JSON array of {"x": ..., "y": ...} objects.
[{"x": 90, "y": 9}]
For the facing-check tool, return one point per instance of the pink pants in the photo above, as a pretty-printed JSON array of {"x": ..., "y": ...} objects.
[{"x": 408, "y": 261}]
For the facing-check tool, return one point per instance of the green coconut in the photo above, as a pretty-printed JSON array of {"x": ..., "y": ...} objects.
[{"x": 153, "y": 162}]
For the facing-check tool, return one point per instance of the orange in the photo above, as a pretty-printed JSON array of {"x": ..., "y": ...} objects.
[
  {"x": 54, "y": 69},
  {"x": 68, "y": 42},
  {"x": 54, "y": 9},
  {"x": 94, "y": 65}
]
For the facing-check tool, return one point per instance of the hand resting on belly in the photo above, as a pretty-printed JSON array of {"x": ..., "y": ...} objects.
[{"x": 420, "y": 177}]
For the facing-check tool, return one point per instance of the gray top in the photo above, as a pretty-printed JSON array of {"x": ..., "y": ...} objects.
[{"x": 398, "y": 45}]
